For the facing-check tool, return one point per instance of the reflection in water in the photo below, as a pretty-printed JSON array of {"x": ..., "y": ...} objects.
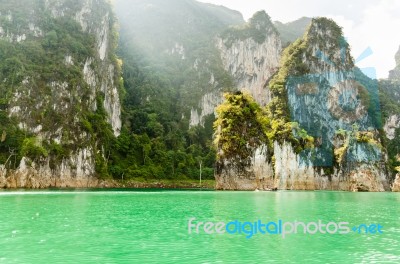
[{"x": 151, "y": 227}]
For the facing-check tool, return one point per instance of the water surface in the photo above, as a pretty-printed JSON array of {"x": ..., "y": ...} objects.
[{"x": 151, "y": 226}]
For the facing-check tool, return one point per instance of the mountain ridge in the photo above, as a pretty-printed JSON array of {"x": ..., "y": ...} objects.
[{"x": 76, "y": 110}]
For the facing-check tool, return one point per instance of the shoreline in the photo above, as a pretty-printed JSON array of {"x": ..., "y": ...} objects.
[
  {"x": 141, "y": 183},
  {"x": 165, "y": 184},
  {"x": 134, "y": 184}
]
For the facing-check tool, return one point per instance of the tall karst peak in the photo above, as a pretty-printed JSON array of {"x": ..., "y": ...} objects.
[
  {"x": 327, "y": 44},
  {"x": 316, "y": 92},
  {"x": 261, "y": 20},
  {"x": 250, "y": 53}
]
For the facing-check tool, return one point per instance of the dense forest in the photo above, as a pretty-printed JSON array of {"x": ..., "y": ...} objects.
[
  {"x": 34, "y": 70},
  {"x": 165, "y": 60}
]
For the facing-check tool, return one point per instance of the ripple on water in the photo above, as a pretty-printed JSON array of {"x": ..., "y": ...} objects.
[{"x": 151, "y": 227}]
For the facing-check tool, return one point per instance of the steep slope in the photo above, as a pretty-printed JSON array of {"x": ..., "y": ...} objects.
[
  {"x": 172, "y": 72},
  {"x": 251, "y": 53},
  {"x": 390, "y": 101},
  {"x": 60, "y": 103},
  {"x": 180, "y": 57},
  {"x": 159, "y": 29},
  {"x": 320, "y": 99},
  {"x": 175, "y": 39}
]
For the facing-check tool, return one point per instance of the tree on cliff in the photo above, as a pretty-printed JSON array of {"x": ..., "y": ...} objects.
[{"x": 240, "y": 127}]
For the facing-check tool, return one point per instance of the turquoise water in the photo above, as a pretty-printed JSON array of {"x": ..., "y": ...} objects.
[{"x": 151, "y": 226}]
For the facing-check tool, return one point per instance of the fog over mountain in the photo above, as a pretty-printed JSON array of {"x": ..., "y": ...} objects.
[{"x": 365, "y": 23}]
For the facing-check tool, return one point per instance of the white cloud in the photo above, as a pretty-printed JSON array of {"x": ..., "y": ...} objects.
[{"x": 376, "y": 29}]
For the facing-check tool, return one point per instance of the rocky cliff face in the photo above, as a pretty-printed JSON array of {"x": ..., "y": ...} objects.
[
  {"x": 396, "y": 184},
  {"x": 391, "y": 88},
  {"x": 58, "y": 109},
  {"x": 390, "y": 96},
  {"x": 96, "y": 19},
  {"x": 176, "y": 39},
  {"x": 392, "y": 123},
  {"x": 333, "y": 103},
  {"x": 251, "y": 55}
]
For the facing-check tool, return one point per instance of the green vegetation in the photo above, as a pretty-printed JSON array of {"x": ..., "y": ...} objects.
[
  {"x": 366, "y": 137},
  {"x": 278, "y": 109},
  {"x": 11, "y": 141},
  {"x": 155, "y": 142},
  {"x": 295, "y": 63},
  {"x": 258, "y": 28},
  {"x": 390, "y": 104},
  {"x": 370, "y": 97},
  {"x": 32, "y": 149},
  {"x": 154, "y": 32},
  {"x": 340, "y": 151},
  {"x": 158, "y": 89},
  {"x": 325, "y": 35},
  {"x": 166, "y": 183},
  {"x": 167, "y": 69},
  {"x": 389, "y": 97},
  {"x": 345, "y": 139},
  {"x": 398, "y": 167},
  {"x": 274, "y": 123},
  {"x": 46, "y": 92},
  {"x": 240, "y": 128}
]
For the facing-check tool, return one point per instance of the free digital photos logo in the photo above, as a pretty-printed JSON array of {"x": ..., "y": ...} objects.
[{"x": 280, "y": 227}]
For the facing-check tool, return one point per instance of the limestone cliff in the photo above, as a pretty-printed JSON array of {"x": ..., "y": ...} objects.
[
  {"x": 319, "y": 92},
  {"x": 64, "y": 88},
  {"x": 176, "y": 39},
  {"x": 396, "y": 184},
  {"x": 390, "y": 100},
  {"x": 392, "y": 123},
  {"x": 251, "y": 55}
]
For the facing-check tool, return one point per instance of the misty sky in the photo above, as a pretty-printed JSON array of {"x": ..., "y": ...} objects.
[{"x": 366, "y": 23}]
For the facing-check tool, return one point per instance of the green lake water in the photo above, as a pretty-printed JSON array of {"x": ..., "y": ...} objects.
[{"x": 128, "y": 226}]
